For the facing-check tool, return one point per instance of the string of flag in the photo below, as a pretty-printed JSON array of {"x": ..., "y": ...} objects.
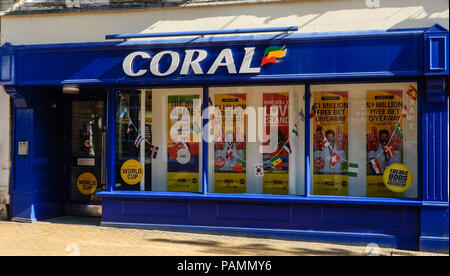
[
  {"x": 275, "y": 161},
  {"x": 124, "y": 114}
]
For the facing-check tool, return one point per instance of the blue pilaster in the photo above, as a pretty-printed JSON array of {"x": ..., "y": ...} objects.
[{"x": 435, "y": 210}]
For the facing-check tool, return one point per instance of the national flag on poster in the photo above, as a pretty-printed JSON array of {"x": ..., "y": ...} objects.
[
  {"x": 352, "y": 169},
  {"x": 412, "y": 92},
  {"x": 123, "y": 112},
  {"x": 334, "y": 159},
  {"x": 276, "y": 162},
  {"x": 259, "y": 169},
  {"x": 389, "y": 150},
  {"x": 399, "y": 131},
  {"x": 325, "y": 142},
  {"x": 130, "y": 127},
  {"x": 138, "y": 140},
  {"x": 153, "y": 151},
  {"x": 295, "y": 130},
  {"x": 375, "y": 165},
  {"x": 229, "y": 153},
  {"x": 240, "y": 165},
  {"x": 287, "y": 147},
  {"x": 313, "y": 112},
  {"x": 404, "y": 111}
]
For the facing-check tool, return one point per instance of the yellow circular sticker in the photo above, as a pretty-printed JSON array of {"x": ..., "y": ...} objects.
[
  {"x": 87, "y": 183},
  {"x": 397, "y": 178},
  {"x": 131, "y": 172}
]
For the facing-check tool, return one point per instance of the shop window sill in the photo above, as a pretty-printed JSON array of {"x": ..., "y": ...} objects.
[{"x": 269, "y": 198}]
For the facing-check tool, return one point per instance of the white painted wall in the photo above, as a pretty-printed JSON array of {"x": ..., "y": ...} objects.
[
  {"x": 310, "y": 16},
  {"x": 5, "y": 160}
]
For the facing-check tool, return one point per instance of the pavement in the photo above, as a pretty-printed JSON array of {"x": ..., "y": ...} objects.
[{"x": 74, "y": 236}]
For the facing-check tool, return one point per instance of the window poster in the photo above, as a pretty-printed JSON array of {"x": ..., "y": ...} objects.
[
  {"x": 183, "y": 154},
  {"x": 276, "y": 164},
  {"x": 330, "y": 143},
  {"x": 229, "y": 146},
  {"x": 384, "y": 141}
]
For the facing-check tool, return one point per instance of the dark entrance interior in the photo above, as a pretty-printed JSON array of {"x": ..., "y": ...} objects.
[{"x": 59, "y": 153}]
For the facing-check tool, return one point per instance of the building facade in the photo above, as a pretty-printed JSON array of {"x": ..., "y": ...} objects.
[{"x": 313, "y": 120}]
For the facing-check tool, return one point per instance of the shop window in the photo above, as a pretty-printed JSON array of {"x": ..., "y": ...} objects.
[
  {"x": 362, "y": 136},
  {"x": 158, "y": 141},
  {"x": 257, "y": 136}
]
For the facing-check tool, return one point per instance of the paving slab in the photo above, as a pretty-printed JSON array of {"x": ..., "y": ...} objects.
[{"x": 73, "y": 236}]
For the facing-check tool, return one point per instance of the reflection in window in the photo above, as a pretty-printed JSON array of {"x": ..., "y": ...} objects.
[
  {"x": 357, "y": 132},
  {"x": 257, "y": 146},
  {"x": 148, "y": 157}
]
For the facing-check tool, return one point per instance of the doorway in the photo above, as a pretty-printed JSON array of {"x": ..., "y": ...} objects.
[{"x": 84, "y": 136}]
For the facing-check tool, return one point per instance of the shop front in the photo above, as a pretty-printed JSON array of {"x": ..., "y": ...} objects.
[{"x": 338, "y": 137}]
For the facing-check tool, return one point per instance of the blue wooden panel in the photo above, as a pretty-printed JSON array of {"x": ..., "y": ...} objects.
[
  {"x": 390, "y": 226},
  {"x": 21, "y": 198},
  {"x": 435, "y": 151},
  {"x": 366, "y": 216},
  {"x": 230, "y": 211},
  {"x": 437, "y": 53},
  {"x": 7, "y": 68},
  {"x": 37, "y": 189},
  {"x": 166, "y": 209},
  {"x": 436, "y": 49},
  {"x": 434, "y": 234}
]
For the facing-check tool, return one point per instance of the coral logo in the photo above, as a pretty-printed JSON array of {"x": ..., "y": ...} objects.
[{"x": 272, "y": 53}]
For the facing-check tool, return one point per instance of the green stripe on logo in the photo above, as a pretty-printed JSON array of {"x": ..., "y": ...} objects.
[{"x": 272, "y": 48}]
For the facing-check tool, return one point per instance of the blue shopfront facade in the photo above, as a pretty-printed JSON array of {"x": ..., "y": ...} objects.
[{"x": 35, "y": 77}]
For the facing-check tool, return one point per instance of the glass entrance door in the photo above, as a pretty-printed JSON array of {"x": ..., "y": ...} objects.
[{"x": 86, "y": 164}]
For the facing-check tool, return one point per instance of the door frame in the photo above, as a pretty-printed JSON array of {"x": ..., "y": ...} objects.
[{"x": 89, "y": 208}]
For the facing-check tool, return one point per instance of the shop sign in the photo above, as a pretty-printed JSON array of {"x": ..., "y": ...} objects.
[{"x": 194, "y": 60}]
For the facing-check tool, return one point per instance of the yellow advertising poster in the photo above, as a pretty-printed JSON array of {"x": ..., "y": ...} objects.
[
  {"x": 329, "y": 113},
  {"x": 131, "y": 172},
  {"x": 384, "y": 138},
  {"x": 183, "y": 162},
  {"x": 182, "y": 182},
  {"x": 87, "y": 183},
  {"x": 230, "y": 146},
  {"x": 276, "y": 164}
]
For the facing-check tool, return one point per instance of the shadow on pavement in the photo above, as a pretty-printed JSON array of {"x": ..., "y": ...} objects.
[
  {"x": 92, "y": 221},
  {"x": 214, "y": 247}
]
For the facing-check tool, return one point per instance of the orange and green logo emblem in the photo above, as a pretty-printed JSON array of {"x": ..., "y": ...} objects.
[{"x": 272, "y": 53}]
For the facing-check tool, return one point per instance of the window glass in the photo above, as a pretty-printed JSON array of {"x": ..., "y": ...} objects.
[
  {"x": 158, "y": 140},
  {"x": 364, "y": 140},
  {"x": 258, "y": 145}
]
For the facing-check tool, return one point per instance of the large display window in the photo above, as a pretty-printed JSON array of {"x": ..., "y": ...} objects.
[
  {"x": 158, "y": 140},
  {"x": 258, "y": 145},
  {"x": 364, "y": 140},
  {"x": 362, "y": 137}
]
